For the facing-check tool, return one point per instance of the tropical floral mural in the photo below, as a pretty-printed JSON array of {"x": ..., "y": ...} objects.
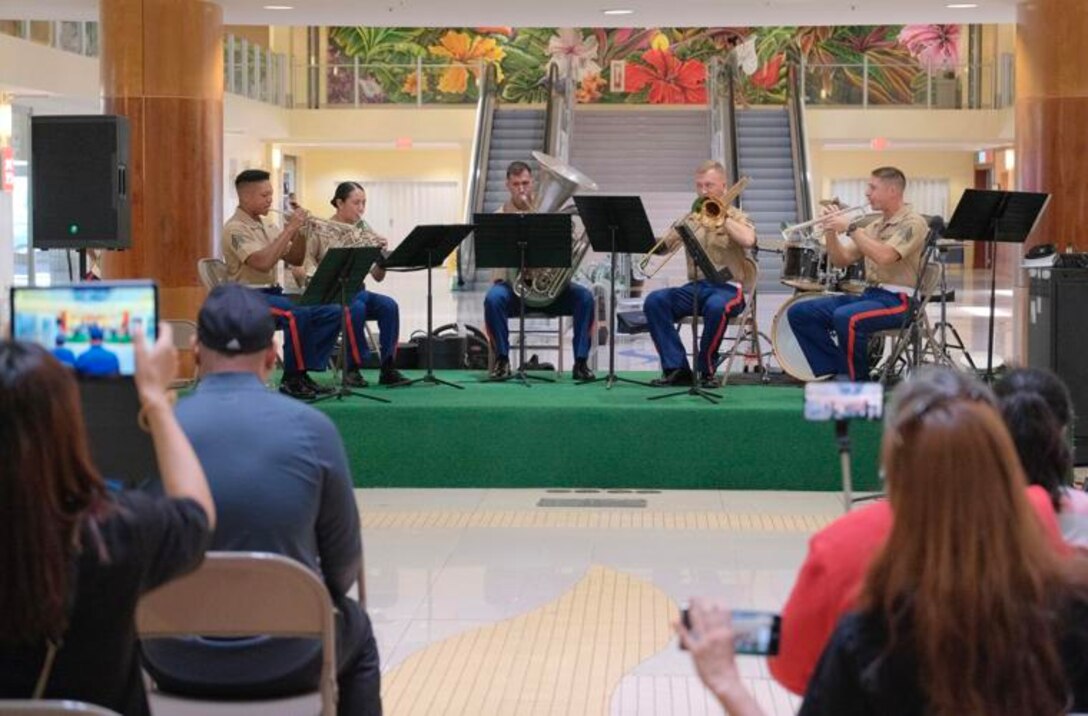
[{"x": 658, "y": 65}]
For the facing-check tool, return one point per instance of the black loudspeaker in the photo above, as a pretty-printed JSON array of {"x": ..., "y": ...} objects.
[
  {"x": 79, "y": 182},
  {"x": 1057, "y": 340}
]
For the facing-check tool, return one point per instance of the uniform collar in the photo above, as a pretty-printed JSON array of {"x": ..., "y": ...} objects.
[
  {"x": 900, "y": 215},
  {"x": 245, "y": 218}
]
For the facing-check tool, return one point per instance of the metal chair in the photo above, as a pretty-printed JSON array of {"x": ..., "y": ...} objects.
[
  {"x": 52, "y": 708},
  {"x": 212, "y": 272},
  {"x": 184, "y": 337},
  {"x": 237, "y": 594}
]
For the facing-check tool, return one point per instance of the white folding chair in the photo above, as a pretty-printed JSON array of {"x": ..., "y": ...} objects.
[
  {"x": 237, "y": 594},
  {"x": 52, "y": 708}
]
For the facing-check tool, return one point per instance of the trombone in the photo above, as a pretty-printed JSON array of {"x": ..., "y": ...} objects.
[{"x": 709, "y": 214}]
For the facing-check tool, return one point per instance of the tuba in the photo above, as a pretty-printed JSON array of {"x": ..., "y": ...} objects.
[{"x": 558, "y": 183}]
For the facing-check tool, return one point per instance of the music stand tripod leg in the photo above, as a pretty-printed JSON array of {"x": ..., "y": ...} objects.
[
  {"x": 342, "y": 390},
  {"x": 429, "y": 378}
]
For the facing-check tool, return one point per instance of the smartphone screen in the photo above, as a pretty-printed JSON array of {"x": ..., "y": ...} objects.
[
  {"x": 89, "y": 326},
  {"x": 844, "y": 401},
  {"x": 755, "y": 633}
]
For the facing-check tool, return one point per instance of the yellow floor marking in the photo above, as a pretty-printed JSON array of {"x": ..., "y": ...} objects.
[{"x": 566, "y": 657}]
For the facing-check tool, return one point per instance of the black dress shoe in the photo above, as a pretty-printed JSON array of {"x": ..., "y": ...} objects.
[
  {"x": 317, "y": 387},
  {"x": 295, "y": 386},
  {"x": 672, "y": 378},
  {"x": 501, "y": 369},
  {"x": 706, "y": 380},
  {"x": 581, "y": 371},
  {"x": 391, "y": 376},
  {"x": 354, "y": 379}
]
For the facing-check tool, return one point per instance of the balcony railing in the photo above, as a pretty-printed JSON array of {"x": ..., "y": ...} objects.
[
  {"x": 356, "y": 84},
  {"x": 77, "y": 37},
  {"x": 974, "y": 86}
]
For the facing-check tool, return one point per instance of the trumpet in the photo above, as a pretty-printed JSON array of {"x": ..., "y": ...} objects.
[
  {"x": 809, "y": 231},
  {"x": 707, "y": 213}
]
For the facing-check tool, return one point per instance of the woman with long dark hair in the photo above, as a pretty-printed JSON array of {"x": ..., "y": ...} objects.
[
  {"x": 75, "y": 559},
  {"x": 966, "y": 609},
  {"x": 1038, "y": 411}
]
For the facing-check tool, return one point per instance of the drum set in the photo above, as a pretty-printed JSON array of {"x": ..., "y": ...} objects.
[{"x": 807, "y": 269}]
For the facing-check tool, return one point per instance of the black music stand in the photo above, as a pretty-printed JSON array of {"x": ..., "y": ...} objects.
[
  {"x": 342, "y": 267},
  {"x": 615, "y": 224},
  {"x": 715, "y": 277},
  {"x": 996, "y": 217},
  {"x": 427, "y": 247},
  {"x": 523, "y": 241}
]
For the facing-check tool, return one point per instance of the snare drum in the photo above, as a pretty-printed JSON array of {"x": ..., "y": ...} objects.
[
  {"x": 787, "y": 351},
  {"x": 801, "y": 267},
  {"x": 852, "y": 279}
]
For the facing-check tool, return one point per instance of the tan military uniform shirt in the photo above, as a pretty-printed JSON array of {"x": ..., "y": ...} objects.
[
  {"x": 242, "y": 236},
  {"x": 905, "y": 232},
  {"x": 722, "y": 251},
  {"x": 318, "y": 246}
]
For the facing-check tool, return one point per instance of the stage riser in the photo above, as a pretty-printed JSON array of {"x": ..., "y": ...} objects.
[{"x": 563, "y": 435}]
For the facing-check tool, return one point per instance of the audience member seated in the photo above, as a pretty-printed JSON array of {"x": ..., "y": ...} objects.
[
  {"x": 1038, "y": 411},
  {"x": 838, "y": 556},
  {"x": 280, "y": 478},
  {"x": 75, "y": 558},
  {"x": 965, "y": 609}
]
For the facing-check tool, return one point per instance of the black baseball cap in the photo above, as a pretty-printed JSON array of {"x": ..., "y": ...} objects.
[{"x": 235, "y": 319}]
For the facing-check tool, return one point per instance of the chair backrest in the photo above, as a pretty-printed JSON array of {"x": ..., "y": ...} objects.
[
  {"x": 212, "y": 272},
  {"x": 184, "y": 333},
  {"x": 52, "y": 708},
  {"x": 236, "y": 594}
]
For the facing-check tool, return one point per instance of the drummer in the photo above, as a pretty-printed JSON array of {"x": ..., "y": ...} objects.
[{"x": 834, "y": 331}]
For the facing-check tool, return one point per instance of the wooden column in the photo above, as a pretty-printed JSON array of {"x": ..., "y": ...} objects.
[
  {"x": 1052, "y": 113},
  {"x": 162, "y": 67}
]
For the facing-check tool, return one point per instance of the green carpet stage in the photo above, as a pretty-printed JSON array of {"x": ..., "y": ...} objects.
[{"x": 567, "y": 435}]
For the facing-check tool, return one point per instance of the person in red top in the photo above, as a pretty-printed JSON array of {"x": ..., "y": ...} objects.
[{"x": 831, "y": 576}]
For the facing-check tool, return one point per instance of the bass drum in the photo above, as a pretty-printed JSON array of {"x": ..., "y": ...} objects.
[{"x": 787, "y": 351}]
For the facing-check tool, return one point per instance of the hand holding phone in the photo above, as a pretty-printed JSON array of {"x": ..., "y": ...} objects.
[{"x": 752, "y": 632}]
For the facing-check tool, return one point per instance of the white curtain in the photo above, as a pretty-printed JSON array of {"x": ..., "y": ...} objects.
[
  {"x": 394, "y": 208},
  {"x": 929, "y": 196}
]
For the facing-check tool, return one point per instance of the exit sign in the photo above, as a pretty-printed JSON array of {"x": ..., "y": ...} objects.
[{"x": 7, "y": 169}]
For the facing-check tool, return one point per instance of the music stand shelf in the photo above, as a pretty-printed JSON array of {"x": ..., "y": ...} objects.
[
  {"x": 425, "y": 248},
  {"x": 523, "y": 241}
]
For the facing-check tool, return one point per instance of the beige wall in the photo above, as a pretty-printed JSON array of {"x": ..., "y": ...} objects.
[
  {"x": 320, "y": 169},
  {"x": 957, "y": 167},
  {"x": 256, "y": 35}
]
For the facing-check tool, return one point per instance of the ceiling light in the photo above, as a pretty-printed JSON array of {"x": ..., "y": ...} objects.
[
  {"x": 279, "y": 7},
  {"x": 962, "y": 6},
  {"x": 619, "y": 12}
]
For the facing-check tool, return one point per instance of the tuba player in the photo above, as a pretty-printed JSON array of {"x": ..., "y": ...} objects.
[{"x": 501, "y": 302}]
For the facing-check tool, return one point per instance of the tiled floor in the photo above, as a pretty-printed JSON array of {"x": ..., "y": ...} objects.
[{"x": 484, "y": 603}]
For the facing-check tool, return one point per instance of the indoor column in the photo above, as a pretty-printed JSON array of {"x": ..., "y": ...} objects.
[{"x": 162, "y": 67}]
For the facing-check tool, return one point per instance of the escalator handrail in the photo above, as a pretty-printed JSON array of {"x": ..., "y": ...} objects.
[
  {"x": 550, "y": 110},
  {"x": 795, "y": 105},
  {"x": 481, "y": 144}
]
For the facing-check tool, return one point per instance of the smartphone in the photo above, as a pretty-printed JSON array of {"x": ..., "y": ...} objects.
[
  {"x": 89, "y": 326},
  {"x": 844, "y": 401},
  {"x": 756, "y": 633}
]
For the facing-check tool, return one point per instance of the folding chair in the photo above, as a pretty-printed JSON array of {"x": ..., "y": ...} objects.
[
  {"x": 52, "y": 708},
  {"x": 212, "y": 272},
  {"x": 184, "y": 337},
  {"x": 238, "y": 594}
]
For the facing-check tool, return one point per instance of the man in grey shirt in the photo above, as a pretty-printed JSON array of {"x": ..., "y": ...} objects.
[{"x": 281, "y": 483}]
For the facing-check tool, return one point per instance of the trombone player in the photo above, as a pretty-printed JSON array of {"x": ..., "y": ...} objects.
[
  {"x": 892, "y": 250},
  {"x": 501, "y": 302},
  {"x": 726, "y": 246}
]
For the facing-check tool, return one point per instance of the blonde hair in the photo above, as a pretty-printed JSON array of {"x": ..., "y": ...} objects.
[{"x": 712, "y": 166}]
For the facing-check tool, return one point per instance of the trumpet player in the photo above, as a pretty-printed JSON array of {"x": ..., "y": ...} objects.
[
  {"x": 501, "y": 302},
  {"x": 349, "y": 201},
  {"x": 252, "y": 251},
  {"x": 834, "y": 332},
  {"x": 725, "y": 245}
]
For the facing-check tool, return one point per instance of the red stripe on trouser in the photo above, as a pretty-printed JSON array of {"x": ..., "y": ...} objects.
[
  {"x": 296, "y": 342},
  {"x": 712, "y": 348},
  {"x": 864, "y": 315},
  {"x": 351, "y": 337}
]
